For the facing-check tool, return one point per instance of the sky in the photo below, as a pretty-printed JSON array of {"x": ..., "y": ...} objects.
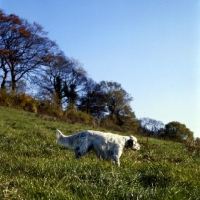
[{"x": 152, "y": 48}]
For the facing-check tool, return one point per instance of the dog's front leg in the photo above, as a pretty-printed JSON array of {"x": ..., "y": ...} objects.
[{"x": 116, "y": 160}]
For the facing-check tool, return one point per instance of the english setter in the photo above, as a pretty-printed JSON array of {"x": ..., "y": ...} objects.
[{"x": 105, "y": 145}]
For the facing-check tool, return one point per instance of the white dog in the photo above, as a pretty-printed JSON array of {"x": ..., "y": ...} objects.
[{"x": 105, "y": 145}]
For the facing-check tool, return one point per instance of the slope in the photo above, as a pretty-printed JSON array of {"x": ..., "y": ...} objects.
[{"x": 34, "y": 166}]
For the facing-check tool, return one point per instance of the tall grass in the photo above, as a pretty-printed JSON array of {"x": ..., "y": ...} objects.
[{"x": 34, "y": 166}]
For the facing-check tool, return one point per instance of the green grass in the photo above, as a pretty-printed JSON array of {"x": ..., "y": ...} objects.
[{"x": 34, "y": 166}]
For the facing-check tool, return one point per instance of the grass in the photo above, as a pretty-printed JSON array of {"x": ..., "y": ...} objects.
[{"x": 34, "y": 166}]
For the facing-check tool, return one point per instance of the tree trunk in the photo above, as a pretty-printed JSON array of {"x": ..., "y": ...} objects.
[
  {"x": 3, "y": 83},
  {"x": 13, "y": 81},
  {"x": 4, "y": 77}
]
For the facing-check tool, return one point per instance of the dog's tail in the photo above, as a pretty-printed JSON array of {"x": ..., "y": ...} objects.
[
  {"x": 58, "y": 134},
  {"x": 67, "y": 141}
]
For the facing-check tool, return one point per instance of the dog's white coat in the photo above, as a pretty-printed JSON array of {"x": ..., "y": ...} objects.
[{"x": 105, "y": 145}]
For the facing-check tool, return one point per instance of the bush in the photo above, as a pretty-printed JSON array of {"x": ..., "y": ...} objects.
[
  {"x": 46, "y": 108},
  {"x": 18, "y": 101},
  {"x": 193, "y": 147},
  {"x": 109, "y": 122},
  {"x": 26, "y": 102},
  {"x": 5, "y": 98},
  {"x": 75, "y": 116}
]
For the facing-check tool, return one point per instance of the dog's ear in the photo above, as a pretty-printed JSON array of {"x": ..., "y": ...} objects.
[
  {"x": 131, "y": 137},
  {"x": 130, "y": 142}
]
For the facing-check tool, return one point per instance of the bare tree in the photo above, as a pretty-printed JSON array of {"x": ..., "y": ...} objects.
[
  {"x": 49, "y": 81},
  {"x": 73, "y": 83},
  {"x": 61, "y": 80},
  {"x": 23, "y": 48},
  {"x": 5, "y": 71},
  {"x": 151, "y": 126}
]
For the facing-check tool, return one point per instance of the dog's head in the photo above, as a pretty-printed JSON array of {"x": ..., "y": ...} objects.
[{"x": 133, "y": 143}]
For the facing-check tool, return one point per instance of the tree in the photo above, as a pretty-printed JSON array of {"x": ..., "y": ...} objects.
[
  {"x": 93, "y": 101},
  {"x": 62, "y": 80},
  {"x": 23, "y": 47},
  {"x": 50, "y": 79},
  {"x": 74, "y": 81},
  {"x": 117, "y": 98},
  {"x": 5, "y": 71},
  {"x": 118, "y": 105},
  {"x": 177, "y": 131},
  {"x": 151, "y": 127},
  {"x": 197, "y": 142}
]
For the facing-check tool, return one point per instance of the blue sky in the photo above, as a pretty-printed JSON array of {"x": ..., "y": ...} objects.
[{"x": 151, "y": 47}]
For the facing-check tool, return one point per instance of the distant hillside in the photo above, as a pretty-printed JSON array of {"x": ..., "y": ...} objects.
[{"x": 34, "y": 166}]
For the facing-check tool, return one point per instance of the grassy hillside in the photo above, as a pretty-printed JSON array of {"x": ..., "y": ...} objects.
[{"x": 34, "y": 166}]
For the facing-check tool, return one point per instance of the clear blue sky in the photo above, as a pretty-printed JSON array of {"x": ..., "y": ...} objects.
[{"x": 151, "y": 47}]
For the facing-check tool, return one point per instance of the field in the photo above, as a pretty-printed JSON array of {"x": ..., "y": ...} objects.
[{"x": 34, "y": 166}]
